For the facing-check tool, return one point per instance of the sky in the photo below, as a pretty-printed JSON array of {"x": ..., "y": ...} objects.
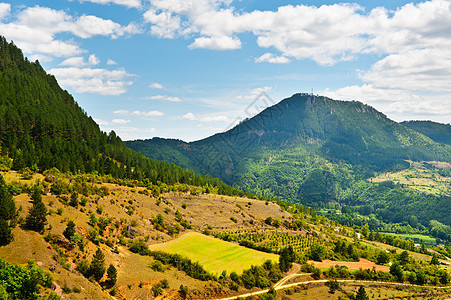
[{"x": 187, "y": 69}]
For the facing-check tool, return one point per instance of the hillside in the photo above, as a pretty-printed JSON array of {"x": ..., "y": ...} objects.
[
  {"x": 441, "y": 133},
  {"x": 124, "y": 222},
  {"x": 42, "y": 127},
  {"x": 300, "y": 140}
]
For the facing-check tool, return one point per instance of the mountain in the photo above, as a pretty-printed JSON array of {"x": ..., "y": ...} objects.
[
  {"x": 441, "y": 133},
  {"x": 42, "y": 127},
  {"x": 304, "y": 149}
]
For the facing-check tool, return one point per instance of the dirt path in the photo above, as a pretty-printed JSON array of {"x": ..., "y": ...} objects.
[{"x": 285, "y": 286}]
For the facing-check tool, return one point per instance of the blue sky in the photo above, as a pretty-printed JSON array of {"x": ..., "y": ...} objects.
[{"x": 190, "y": 68}]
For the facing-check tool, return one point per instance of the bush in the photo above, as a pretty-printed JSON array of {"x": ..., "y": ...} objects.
[{"x": 140, "y": 247}]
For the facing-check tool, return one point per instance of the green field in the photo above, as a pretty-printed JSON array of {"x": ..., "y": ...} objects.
[
  {"x": 417, "y": 238},
  {"x": 214, "y": 254}
]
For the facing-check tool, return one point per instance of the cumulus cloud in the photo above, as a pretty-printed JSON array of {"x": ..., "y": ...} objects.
[
  {"x": 412, "y": 41},
  {"x": 216, "y": 43},
  {"x": 93, "y": 80},
  {"x": 189, "y": 116},
  {"x": 35, "y": 28},
  {"x": 79, "y": 61},
  {"x": 5, "y": 9}
]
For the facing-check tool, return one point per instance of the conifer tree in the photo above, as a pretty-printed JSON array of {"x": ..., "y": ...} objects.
[
  {"x": 361, "y": 294},
  {"x": 7, "y": 214},
  {"x": 37, "y": 215},
  {"x": 70, "y": 230},
  {"x": 97, "y": 267},
  {"x": 112, "y": 274}
]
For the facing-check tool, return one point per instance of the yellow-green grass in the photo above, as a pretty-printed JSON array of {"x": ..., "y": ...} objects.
[
  {"x": 420, "y": 238},
  {"x": 213, "y": 254}
]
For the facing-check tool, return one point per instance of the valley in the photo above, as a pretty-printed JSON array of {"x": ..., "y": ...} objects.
[{"x": 311, "y": 198}]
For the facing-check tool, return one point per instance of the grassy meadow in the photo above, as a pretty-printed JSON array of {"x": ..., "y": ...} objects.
[
  {"x": 214, "y": 254},
  {"x": 417, "y": 238}
]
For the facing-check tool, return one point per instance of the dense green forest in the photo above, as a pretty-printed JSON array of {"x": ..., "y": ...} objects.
[
  {"x": 42, "y": 127},
  {"x": 305, "y": 149},
  {"x": 441, "y": 133}
]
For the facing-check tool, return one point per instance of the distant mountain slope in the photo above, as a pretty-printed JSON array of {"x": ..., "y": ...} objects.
[
  {"x": 441, "y": 133},
  {"x": 305, "y": 148},
  {"x": 41, "y": 127}
]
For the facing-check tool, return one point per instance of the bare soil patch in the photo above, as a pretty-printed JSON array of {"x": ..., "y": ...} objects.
[{"x": 352, "y": 265}]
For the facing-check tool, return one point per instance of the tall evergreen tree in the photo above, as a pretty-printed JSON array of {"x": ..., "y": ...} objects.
[
  {"x": 70, "y": 230},
  {"x": 361, "y": 294},
  {"x": 97, "y": 267},
  {"x": 7, "y": 213},
  {"x": 112, "y": 275},
  {"x": 37, "y": 215}
]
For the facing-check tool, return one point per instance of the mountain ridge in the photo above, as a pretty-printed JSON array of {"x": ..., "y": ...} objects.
[{"x": 302, "y": 128}]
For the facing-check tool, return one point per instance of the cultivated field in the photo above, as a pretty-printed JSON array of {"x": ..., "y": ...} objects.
[{"x": 213, "y": 254}]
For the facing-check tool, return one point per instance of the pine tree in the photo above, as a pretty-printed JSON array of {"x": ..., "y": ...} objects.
[
  {"x": 70, "y": 230},
  {"x": 361, "y": 294},
  {"x": 7, "y": 214},
  {"x": 6, "y": 235},
  {"x": 112, "y": 274},
  {"x": 7, "y": 205},
  {"x": 97, "y": 267},
  {"x": 37, "y": 215}
]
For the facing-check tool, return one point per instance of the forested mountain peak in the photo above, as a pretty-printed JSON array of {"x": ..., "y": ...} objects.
[{"x": 303, "y": 141}]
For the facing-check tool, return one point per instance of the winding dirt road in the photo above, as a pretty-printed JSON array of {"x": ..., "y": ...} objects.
[{"x": 280, "y": 285}]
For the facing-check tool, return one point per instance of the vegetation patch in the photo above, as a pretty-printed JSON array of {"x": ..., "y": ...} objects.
[
  {"x": 213, "y": 254},
  {"x": 417, "y": 238}
]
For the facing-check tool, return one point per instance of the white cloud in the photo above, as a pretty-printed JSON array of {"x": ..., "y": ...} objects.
[
  {"x": 120, "y": 121},
  {"x": 189, "y": 116},
  {"x": 89, "y": 80},
  {"x": 35, "y": 29},
  {"x": 165, "y": 98},
  {"x": 79, "y": 61},
  {"x": 127, "y": 3},
  {"x": 152, "y": 113},
  {"x": 273, "y": 59},
  {"x": 93, "y": 60},
  {"x": 156, "y": 85},
  {"x": 216, "y": 43},
  {"x": 327, "y": 34},
  {"x": 206, "y": 118},
  {"x": 121, "y": 112},
  {"x": 5, "y": 9},
  {"x": 111, "y": 62}
]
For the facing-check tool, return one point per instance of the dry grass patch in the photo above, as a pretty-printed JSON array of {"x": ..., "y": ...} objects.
[{"x": 352, "y": 265}]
